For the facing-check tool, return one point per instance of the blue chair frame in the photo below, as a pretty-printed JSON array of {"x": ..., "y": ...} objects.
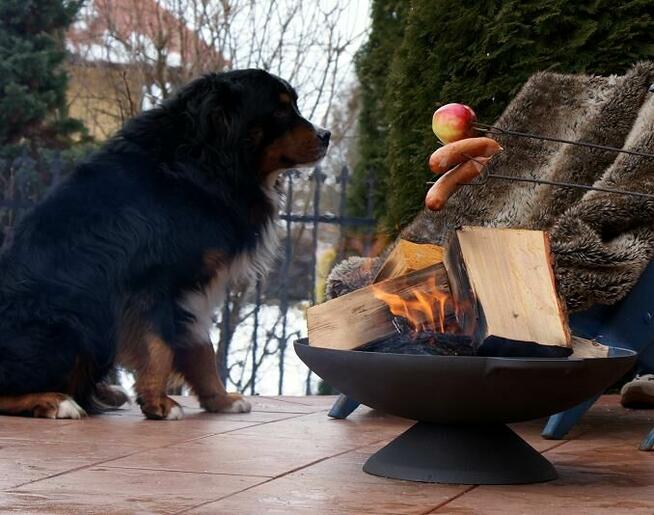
[{"x": 629, "y": 324}]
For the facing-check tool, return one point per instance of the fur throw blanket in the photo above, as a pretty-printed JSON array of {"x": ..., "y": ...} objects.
[{"x": 601, "y": 241}]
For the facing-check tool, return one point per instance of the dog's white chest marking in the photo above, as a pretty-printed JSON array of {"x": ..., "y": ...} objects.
[{"x": 245, "y": 267}]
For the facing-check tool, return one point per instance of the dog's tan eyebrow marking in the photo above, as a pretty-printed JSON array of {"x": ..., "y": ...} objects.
[{"x": 285, "y": 98}]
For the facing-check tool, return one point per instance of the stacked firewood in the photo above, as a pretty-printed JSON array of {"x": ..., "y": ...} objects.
[{"x": 490, "y": 292}]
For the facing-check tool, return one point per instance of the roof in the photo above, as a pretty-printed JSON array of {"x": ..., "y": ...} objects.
[{"x": 124, "y": 31}]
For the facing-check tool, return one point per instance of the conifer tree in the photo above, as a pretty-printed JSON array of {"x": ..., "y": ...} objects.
[{"x": 32, "y": 78}]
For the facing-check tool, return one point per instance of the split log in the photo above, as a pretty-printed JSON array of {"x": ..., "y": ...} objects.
[
  {"x": 359, "y": 317},
  {"x": 426, "y": 342},
  {"x": 503, "y": 282},
  {"x": 408, "y": 257},
  {"x": 583, "y": 348}
]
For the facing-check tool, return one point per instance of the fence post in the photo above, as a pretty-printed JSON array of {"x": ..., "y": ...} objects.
[
  {"x": 342, "y": 179},
  {"x": 370, "y": 207},
  {"x": 225, "y": 338},
  {"x": 255, "y": 335},
  {"x": 56, "y": 168},
  {"x": 318, "y": 178},
  {"x": 283, "y": 294}
]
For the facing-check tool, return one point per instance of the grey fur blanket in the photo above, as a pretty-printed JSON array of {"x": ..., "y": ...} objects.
[{"x": 601, "y": 242}]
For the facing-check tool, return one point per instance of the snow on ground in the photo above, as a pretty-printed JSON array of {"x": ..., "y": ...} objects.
[
  {"x": 267, "y": 381},
  {"x": 295, "y": 372}
]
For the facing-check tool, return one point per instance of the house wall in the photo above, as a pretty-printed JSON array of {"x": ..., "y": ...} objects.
[{"x": 103, "y": 96}]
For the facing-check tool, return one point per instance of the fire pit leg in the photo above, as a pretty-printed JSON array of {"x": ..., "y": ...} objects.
[
  {"x": 343, "y": 407},
  {"x": 461, "y": 454}
]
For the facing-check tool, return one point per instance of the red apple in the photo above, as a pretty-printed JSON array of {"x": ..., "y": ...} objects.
[{"x": 453, "y": 122}]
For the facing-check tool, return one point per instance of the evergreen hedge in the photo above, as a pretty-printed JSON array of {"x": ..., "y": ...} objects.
[{"x": 372, "y": 63}]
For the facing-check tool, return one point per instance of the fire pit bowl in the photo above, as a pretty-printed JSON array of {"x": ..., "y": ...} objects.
[{"x": 462, "y": 405}]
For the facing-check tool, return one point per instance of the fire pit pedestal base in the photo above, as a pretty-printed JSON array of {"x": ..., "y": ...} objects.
[
  {"x": 462, "y": 404},
  {"x": 461, "y": 454}
]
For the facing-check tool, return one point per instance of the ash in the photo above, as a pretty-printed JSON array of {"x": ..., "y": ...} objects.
[{"x": 425, "y": 342}]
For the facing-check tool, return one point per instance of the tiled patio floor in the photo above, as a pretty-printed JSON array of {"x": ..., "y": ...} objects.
[{"x": 288, "y": 457}]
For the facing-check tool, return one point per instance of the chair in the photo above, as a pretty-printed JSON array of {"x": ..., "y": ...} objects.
[{"x": 628, "y": 324}]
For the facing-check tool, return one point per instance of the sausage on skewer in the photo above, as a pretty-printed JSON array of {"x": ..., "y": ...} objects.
[
  {"x": 460, "y": 151},
  {"x": 449, "y": 182}
]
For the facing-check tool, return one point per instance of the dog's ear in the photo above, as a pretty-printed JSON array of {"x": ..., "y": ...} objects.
[
  {"x": 211, "y": 109},
  {"x": 222, "y": 118}
]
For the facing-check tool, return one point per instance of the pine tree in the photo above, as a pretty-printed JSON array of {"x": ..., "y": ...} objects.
[
  {"x": 32, "y": 78},
  {"x": 480, "y": 53}
]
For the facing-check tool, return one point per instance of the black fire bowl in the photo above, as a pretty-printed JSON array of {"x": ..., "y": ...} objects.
[{"x": 462, "y": 405}]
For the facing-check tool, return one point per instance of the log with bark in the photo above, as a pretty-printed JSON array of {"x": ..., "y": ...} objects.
[{"x": 359, "y": 317}]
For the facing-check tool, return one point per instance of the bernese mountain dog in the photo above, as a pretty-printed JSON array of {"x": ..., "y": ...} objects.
[{"x": 125, "y": 262}]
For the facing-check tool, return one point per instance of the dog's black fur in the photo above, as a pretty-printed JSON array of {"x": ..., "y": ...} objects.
[{"x": 131, "y": 228}]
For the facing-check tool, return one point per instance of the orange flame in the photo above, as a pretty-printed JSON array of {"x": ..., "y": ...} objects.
[{"x": 423, "y": 305}]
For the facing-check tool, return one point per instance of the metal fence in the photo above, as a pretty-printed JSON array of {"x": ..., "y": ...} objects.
[
  {"x": 273, "y": 339},
  {"x": 252, "y": 332}
]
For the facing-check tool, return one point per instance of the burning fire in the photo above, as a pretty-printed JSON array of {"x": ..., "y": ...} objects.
[{"x": 423, "y": 306}]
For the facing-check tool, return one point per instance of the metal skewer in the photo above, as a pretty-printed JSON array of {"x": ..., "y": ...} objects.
[
  {"x": 492, "y": 129},
  {"x": 554, "y": 183},
  {"x": 485, "y": 176}
]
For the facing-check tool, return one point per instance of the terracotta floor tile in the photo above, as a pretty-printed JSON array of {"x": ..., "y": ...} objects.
[
  {"x": 529, "y": 500},
  {"x": 136, "y": 433},
  {"x": 278, "y": 405},
  {"x": 132, "y": 491},
  {"x": 600, "y": 473},
  {"x": 22, "y": 461},
  {"x": 28, "y": 428},
  {"x": 121, "y": 463},
  {"x": 254, "y": 417},
  {"x": 320, "y": 401},
  {"x": 237, "y": 454},
  {"x": 531, "y": 433},
  {"x": 292, "y": 494},
  {"x": 596, "y": 462},
  {"x": 357, "y": 430},
  {"x": 257, "y": 509},
  {"x": 344, "y": 467}
]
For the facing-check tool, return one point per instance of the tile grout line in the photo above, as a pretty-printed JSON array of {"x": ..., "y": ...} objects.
[
  {"x": 448, "y": 501},
  {"x": 279, "y": 476},
  {"x": 176, "y": 471},
  {"x": 295, "y": 415},
  {"x": 102, "y": 462},
  {"x": 291, "y": 402},
  {"x": 555, "y": 446},
  {"x": 563, "y": 442},
  {"x": 290, "y": 412}
]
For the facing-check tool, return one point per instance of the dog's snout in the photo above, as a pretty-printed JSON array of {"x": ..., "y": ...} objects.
[{"x": 323, "y": 136}]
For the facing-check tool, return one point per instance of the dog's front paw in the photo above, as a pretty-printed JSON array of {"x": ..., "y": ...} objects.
[
  {"x": 239, "y": 405},
  {"x": 68, "y": 408},
  {"x": 56, "y": 405},
  {"x": 226, "y": 403},
  {"x": 162, "y": 408}
]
